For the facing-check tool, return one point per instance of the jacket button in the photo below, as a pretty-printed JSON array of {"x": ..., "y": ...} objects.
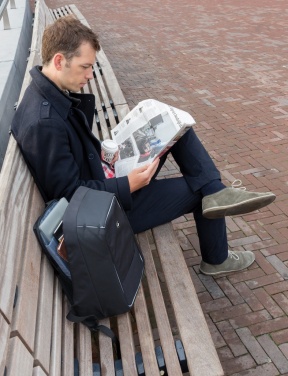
[
  {"x": 91, "y": 156},
  {"x": 45, "y": 103}
]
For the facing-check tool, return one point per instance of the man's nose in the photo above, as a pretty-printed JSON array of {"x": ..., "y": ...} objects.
[{"x": 89, "y": 74}]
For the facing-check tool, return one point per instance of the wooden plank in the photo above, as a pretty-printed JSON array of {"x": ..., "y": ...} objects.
[
  {"x": 104, "y": 93},
  {"x": 44, "y": 316},
  {"x": 34, "y": 59},
  {"x": 127, "y": 345},
  {"x": 29, "y": 284},
  {"x": 48, "y": 16},
  {"x": 38, "y": 26},
  {"x": 19, "y": 360},
  {"x": 67, "y": 341},
  {"x": 84, "y": 350},
  {"x": 12, "y": 223},
  {"x": 163, "y": 324},
  {"x": 106, "y": 351},
  {"x": 4, "y": 337},
  {"x": 92, "y": 88},
  {"x": 145, "y": 334},
  {"x": 38, "y": 371},
  {"x": 197, "y": 340},
  {"x": 78, "y": 14},
  {"x": 122, "y": 110},
  {"x": 55, "y": 359},
  {"x": 110, "y": 79}
]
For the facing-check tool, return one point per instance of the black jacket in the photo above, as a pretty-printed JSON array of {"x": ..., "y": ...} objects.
[{"x": 56, "y": 141}]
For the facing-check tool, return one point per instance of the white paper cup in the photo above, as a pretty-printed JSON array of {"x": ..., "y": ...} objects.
[{"x": 109, "y": 148}]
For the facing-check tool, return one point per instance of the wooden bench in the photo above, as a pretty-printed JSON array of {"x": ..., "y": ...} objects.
[{"x": 35, "y": 336}]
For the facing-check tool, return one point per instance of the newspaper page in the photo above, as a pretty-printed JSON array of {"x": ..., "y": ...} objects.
[{"x": 148, "y": 131}]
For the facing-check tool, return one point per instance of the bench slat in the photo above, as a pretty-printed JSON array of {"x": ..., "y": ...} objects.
[
  {"x": 197, "y": 340},
  {"x": 38, "y": 371},
  {"x": 39, "y": 23},
  {"x": 4, "y": 332},
  {"x": 110, "y": 79},
  {"x": 29, "y": 285},
  {"x": 12, "y": 224},
  {"x": 163, "y": 324},
  {"x": 67, "y": 341},
  {"x": 20, "y": 361},
  {"x": 127, "y": 345},
  {"x": 84, "y": 350},
  {"x": 145, "y": 334},
  {"x": 122, "y": 110},
  {"x": 105, "y": 97},
  {"x": 44, "y": 316},
  {"x": 78, "y": 14},
  {"x": 106, "y": 351},
  {"x": 55, "y": 359},
  {"x": 98, "y": 97}
]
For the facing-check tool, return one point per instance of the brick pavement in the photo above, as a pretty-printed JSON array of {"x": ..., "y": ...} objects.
[{"x": 226, "y": 64}]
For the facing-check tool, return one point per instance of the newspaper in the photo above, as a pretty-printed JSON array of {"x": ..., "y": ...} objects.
[{"x": 148, "y": 131}]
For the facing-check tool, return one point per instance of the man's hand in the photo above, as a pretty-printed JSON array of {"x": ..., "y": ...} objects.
[{"x": 141, "y": 176}]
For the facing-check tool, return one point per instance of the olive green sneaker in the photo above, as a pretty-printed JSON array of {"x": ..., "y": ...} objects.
[
  {"x": 236, "y": 260},
  {"x": 233, "y": 201}
]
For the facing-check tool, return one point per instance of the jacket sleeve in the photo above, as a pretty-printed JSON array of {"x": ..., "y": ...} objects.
[{"x": 46, "y": 149}]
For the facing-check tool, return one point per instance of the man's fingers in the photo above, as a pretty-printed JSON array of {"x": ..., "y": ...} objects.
[{"x": 153, "y": 166}]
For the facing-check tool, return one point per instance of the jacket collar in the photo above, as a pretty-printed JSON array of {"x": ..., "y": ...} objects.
[{"x": 60, "y": 100}]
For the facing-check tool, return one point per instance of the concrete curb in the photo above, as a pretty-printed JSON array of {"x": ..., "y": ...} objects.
[{"x": 14, "y": 50}]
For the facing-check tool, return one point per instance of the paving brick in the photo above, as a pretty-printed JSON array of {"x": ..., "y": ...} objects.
[
  {"x": 263, "y": 263},
  {"x": 275, "y": 288},
  {"x": 249, "y": 296},
  {"x": 280, "y": 337},
  {"x": 246, "y": 275},
  {"x": 264, "y": 280},
  {"x": 238, "y": 364},
  {"x": 269, "y": 326},
  {"x": 231, "y": 338},
  {"x": 250, "y": 318},
  {"x": 215, "y": 305},
  {"x": 212, "y": 286},
  {"x": 230, "y": 291},
  {"x": 268, "y": 302},
  {"x": 284, "y": 349},
  {"x": 228, "y": 312},
  {"x": 215, "y": 333},
  {"x": 279, "y": 266},
  {"x": 264, "y": 370},
  {"x": 253, "y": 346},
  {"x": 280, "y": 361}
]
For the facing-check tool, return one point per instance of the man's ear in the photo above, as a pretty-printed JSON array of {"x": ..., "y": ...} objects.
[{"x": 58, "y": 61}]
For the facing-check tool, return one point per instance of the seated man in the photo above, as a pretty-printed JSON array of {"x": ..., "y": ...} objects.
[{"x": 53, "y": 129}]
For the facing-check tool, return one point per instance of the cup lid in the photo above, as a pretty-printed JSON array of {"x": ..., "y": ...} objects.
[{"x": 110, "y": 145}]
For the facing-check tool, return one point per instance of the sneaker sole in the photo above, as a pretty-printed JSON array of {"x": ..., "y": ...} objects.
[
  {"x": 227, "y": 271},
  {"x": 241, "y": 208}
]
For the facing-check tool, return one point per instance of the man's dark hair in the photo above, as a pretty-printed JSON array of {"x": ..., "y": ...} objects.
[{"x": 66, "y": 36}]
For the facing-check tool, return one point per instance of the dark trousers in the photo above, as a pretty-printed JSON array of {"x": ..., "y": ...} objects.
[{"x": 166, "y": 199}]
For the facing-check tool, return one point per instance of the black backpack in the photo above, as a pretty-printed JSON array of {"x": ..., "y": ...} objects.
[{"x": 105, "y": 265}]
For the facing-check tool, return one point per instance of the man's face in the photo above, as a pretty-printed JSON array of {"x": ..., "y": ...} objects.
[{"x": 76, "y": 72}]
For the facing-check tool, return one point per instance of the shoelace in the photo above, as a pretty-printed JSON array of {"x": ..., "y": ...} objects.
[
  {"x": 232, "y": 254},
  {"x": 237, "y": 184}
]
